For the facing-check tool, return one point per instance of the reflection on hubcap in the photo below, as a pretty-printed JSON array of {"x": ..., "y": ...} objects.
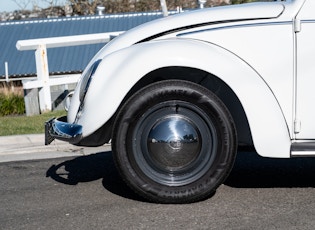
[{"x": 174, "y": 143}]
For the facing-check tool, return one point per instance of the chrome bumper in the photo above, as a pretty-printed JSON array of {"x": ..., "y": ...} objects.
[{"x": 58, "y": 128}]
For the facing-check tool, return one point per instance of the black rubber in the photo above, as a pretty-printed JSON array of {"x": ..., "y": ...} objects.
[{"x": 217, "y": 134}]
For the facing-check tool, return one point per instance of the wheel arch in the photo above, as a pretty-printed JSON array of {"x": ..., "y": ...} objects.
[
  {"x": 212, "y": 83},
  {"x": 206, "y": 64}
]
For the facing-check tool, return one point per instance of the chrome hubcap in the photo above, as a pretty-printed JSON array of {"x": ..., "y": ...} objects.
[{"x": 173, "y": 143}]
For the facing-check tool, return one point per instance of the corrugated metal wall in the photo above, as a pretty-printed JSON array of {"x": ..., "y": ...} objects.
[{"x": 66, "y": 59}]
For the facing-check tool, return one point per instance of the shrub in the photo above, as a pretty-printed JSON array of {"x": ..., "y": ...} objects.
[{"x": 11, "y": 104}]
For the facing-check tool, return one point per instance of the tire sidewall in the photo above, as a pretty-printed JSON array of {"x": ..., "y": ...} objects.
[{"x": 174, "y": 90}]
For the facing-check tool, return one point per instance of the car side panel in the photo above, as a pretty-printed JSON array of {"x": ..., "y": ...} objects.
[
  {"x": 268, "y": 47},
  {"x": 305, "y": 111},
  {"x": 121, "y": 70}
]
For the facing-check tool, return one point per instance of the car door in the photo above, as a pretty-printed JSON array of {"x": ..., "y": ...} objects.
[{"x": 305, "y": 72}]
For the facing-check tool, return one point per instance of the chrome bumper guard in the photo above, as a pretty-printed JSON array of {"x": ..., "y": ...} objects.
[{"x": 58, "y": 128}]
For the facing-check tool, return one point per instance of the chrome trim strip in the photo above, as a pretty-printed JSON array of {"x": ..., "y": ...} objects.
[
  {"x": 303, "y": 149},
  {"x": 303, "y": 146},
  {"x": 237, "y": 26}
]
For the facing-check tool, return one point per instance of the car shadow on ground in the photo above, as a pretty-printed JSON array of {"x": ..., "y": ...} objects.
[
  {"x": 250, "y": 171},
  {"x": 90, "y": 168}
]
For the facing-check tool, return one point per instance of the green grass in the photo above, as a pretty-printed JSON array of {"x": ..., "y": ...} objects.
[
  {"x": 17, "y": 125},
  {"x": 12, "y": 113},
  {"x": 11, "y": 104}
]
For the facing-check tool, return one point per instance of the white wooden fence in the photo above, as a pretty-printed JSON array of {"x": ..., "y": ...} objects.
[{"x": 43, "y": 81}]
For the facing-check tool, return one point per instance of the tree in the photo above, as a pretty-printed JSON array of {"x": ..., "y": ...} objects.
[
  {"x": 84, "y": 7},
  {"x": 36, "y": 4},
  {"x": 22, "y": 4},
  {"x": 89, "y": 7},
  {"x": 240, "y": 1}
]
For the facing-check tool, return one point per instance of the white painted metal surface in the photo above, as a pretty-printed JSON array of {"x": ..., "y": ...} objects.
[
  {"x": 277, "y": 141},
  {"x": 305, "y": 93},
  {"x": 235, "y": 70},
  {"x": 262, "y": 51}
]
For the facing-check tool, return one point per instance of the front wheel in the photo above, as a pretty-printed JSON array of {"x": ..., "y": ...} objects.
[{"x": 174, "y": 142}]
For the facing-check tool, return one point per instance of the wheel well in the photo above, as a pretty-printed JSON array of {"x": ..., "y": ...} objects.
[
  {"x": 211, "y": 82},
  {"x": 208, "y": 80}
]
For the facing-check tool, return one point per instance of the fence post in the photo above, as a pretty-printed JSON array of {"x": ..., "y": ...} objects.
[
  {"x": 6, "y": 68},
  {"x": 43, "y": 76},
  {"x": 164, "y": 8}
]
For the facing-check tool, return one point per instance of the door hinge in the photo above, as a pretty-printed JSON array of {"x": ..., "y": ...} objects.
[
  {"x": 297, "y": 126},
  {"x": 297, "y": 25}
]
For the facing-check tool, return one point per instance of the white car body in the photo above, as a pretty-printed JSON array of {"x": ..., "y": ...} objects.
[{"x": 259, "y": 55}]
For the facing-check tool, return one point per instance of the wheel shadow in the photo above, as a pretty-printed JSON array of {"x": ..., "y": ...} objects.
[
  {"x": 249, "y": 171},
  {"x": 91, "y": 168},
  {"x": 252, "y": 171}
]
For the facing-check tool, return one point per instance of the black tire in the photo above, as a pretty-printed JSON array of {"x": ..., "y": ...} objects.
[{"x": 174, "y": 142}]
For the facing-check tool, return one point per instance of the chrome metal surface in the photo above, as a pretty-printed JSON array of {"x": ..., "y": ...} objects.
[
  {"x": 86, "y": 79},
  {"x": 174, "y": 142},
  {"x": 68, "y": 100},
  {"x": 60, "y": 129}
]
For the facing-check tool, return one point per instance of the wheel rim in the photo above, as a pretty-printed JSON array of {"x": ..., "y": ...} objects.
[{"x": 174, "y": 143}]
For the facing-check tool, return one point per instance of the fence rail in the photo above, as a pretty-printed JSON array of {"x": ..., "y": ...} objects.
[
  {"x": 55, "y": 42},
  {"x": 43, "y": 80},
  {"x": 8, "y": 79}
]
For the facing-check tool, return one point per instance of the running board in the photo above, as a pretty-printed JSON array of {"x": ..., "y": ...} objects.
[{"x": 303, "y": 149}]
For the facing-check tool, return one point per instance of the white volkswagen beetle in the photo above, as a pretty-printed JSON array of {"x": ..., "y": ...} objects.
[{"x": 179, "y": 95}]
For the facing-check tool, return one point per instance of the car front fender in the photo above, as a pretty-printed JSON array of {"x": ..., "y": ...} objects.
[{"x": 121, "y": 70}]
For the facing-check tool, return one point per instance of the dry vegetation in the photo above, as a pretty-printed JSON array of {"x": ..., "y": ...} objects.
[
  {"x": 11, "y": 88},
  {"x": 11, "y": 99}
]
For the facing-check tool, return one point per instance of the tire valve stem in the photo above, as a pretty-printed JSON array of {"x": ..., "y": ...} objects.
[{"x": 176, "y": 110}]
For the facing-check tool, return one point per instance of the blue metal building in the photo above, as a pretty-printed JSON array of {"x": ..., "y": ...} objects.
[{"x": 66, "y": 59}]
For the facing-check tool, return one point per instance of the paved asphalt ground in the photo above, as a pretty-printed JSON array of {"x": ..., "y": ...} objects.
[
  {"x": 79, "y": 188},
  {"x": 31, "y": 147}
]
